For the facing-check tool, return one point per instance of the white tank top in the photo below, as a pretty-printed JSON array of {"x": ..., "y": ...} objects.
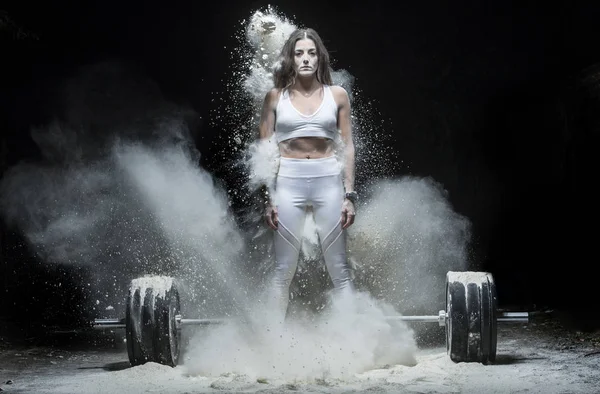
[{"x": 291, "y": 123}]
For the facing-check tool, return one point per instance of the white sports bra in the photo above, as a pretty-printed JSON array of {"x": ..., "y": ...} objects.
[{"x": 291, "y": 123}]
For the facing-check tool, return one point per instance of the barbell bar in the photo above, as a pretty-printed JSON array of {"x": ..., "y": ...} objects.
[
  {"x": 503, "y": 317},
  {"x": 153, "y": 319}
]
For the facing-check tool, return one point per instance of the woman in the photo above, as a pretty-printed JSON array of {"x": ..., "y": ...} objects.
[{"x": 310, "y": 120}]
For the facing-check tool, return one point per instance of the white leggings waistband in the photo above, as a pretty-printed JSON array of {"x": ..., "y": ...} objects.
[{"x": 309, "y": 168}]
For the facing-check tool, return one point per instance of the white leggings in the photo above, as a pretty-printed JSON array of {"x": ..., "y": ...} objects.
[{"x": 300, "y": 184}]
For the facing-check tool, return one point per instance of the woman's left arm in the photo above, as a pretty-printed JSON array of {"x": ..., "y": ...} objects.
[
  {"x": 344, "y": 121},
  {"x": 345, "y": 126}
]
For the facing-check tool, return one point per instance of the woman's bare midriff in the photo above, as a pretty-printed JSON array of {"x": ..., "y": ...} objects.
[{"x": 306, "y": 148}]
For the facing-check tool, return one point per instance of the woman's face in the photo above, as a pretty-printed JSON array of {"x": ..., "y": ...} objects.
[{"x": 305, "y": 57}]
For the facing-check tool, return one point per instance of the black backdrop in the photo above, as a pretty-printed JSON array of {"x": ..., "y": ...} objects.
[{"x": 494, "y": 93}]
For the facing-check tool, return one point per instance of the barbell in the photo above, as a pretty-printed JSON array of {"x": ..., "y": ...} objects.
[{"x": 153, "y": 319}]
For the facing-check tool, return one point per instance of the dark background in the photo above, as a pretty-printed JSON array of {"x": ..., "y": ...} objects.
[{"x": 496, "y": 100}]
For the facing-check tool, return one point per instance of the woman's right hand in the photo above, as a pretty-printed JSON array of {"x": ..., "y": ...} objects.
[{"x": 271, "y": 216}]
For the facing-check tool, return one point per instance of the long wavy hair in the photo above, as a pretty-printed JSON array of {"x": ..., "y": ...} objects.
[{"x": 285, "y": 74}]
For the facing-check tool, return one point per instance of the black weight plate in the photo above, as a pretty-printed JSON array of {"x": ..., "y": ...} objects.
[
  {"x": 474, "y": 317},
  {"x": 457, "y": 323},
  {"x": 168, "y": 336},
  {"x": 133, "y": 327}
]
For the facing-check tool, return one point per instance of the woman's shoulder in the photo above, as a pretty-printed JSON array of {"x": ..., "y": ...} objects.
[
  {"x": 273, "y": 92},
  {"x": 339, "y": 92},
  {"x": 272, "y": 95},
  {"x": 338, "y": 89}
]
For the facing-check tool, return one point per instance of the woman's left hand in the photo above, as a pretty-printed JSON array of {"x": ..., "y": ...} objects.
[{"x": 348, "y": 214}]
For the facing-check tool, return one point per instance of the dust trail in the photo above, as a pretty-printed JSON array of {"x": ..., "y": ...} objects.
[
  {"x": 351, "y": 336},
  {"x": 118, "y": 189},
  {"x": 408, "y": 237}
]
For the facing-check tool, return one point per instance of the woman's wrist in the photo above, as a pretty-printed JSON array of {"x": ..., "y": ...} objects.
[{"x": 351, "y": 196}]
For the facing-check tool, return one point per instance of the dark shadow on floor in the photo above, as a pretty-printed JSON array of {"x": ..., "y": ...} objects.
[{"x": 112, "y": 367}]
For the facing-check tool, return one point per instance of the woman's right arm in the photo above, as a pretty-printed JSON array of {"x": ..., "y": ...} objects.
[
  {"x": 266, "y": 127},
  {"x": 266, "y": 130}
]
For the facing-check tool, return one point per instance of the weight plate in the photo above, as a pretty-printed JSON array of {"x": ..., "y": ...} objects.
[
  {"x": 168, "y": 334},
  {"x": 133, "y": 327},
  {"x": 457, "y": 324},
  {"x": 150, "y": 321},
  {"x": 471, "y": 326}
]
